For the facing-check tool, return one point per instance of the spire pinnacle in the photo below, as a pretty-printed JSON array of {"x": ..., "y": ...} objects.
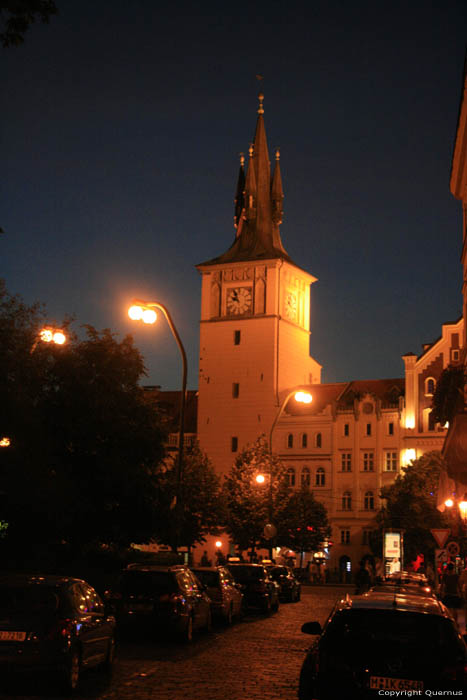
[{"x": 261, "y": 108}]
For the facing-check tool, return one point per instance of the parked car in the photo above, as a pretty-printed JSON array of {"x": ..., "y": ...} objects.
[
  {"x": 258, "y": 588},
  {"x": 162, "y": 599},
  {"x": 420, "y": 588},
  {"x": 225, "y": 594},
  {"x": 53, "y": 623},
  {"x": 290, "y": 587},
  {"x": 383, "y": 642}
]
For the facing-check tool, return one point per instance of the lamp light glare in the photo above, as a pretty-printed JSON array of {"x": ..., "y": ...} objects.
[
  {"x": 149, "y": 316},
  {"x": 449, "y": 503},
  {"x": 135, "y": 313},
  {"x": 46, "y": 335},
  {"x": 59, "y": 338},
  {"x": 260, "y": 478},
  {"x": 5, "y": 442},
  {"x": 303, "y": 397},
  {"x": 218, "y": 544},
  {"x": 463, "y": 508}
]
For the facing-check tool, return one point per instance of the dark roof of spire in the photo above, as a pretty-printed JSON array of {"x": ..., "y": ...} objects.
[{"x": 258, "y": 236}]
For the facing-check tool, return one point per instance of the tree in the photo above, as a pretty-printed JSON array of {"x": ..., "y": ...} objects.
[
  {"x": 86, "y": 445},
  {"x": 247, "y": 502},
  {"x": 18, "y": 15},
  {"x": 302, "y": 522},
  {"x": 201, "y": 504},
  {"x": 411, "y": 506}
]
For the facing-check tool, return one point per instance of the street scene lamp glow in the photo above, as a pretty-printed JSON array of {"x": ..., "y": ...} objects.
[
  {"x": 303, "y": 397},
  {"x": 449, "y": 503},
  {"x": 135, "y": 313},
  {"x": 260, "y": 478},
  {"x": 218, "y": 544},
  {"x": 149, "y": 316},
  {"x": 59, "y": 338},
  {"x": 463, "y": 507},
  {"x": 5, "y": 442}
]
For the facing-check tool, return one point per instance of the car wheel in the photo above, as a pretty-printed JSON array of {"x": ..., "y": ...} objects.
[
  {"x": 229, "y": 617},
  {"x": 110, "y": 657},
  {"x": 267, "y": 606},
  {"x": 306, "y": 687},
  {"x": 299, "y": 595},
  {"x": 275, "y": 607},
  {"x": 72, "y": 671}
]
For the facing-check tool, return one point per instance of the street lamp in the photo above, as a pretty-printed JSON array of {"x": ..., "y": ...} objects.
[
  {"x": 49, "y": 334},
  {"x": 301, "y": 396},
  {"x": 145, "y": 311}
]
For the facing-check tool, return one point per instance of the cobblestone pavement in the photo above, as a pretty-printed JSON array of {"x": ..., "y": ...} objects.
[{"x": 256, "y": 659}]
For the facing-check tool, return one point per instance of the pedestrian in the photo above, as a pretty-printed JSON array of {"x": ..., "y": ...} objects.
[
  {"x": 205, "y": 561},
  {"x": 451, "y": 594},
  {"x": 362, "y": 579},
  {"x": 314, "y": 572}
]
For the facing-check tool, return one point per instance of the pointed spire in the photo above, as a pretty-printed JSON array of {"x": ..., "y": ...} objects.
[
  {"x": 250, "y": 186},
  {"x": 263, "y": 175},
  {"x": 239, "y": 197},
  {"x": 277, "y": 193}
]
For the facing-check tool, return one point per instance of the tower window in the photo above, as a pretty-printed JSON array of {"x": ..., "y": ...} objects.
[
  {"x": 318, "y": 440},
  {"x": 235, "y": 390},
  {"x": 346, "y": 429},
  {"x": 304, "y": 440},
  {"x": 368, "y": 429},
  {"x": 290, "y": 440},
  {"x": 237, "y": 336},
  {"x": 390, "y": 428},
  {"x": 430, "y": 386},
  {"x": 234, "y": 444}
]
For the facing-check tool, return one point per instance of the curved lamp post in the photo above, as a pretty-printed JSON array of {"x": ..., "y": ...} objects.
[
  {"x": 145, "y": 311},
  {"x": 301, "y": 396}
]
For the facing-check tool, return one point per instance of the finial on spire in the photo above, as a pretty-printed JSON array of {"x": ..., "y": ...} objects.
[
  {"x": 261, "y": 108},
  {"x": 278, "y": 154},
  {"x": 242, "y": 159},
  {"x": 250, "y": 150}
]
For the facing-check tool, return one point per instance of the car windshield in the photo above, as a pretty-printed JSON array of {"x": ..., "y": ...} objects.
[
  {"x": 209, "y": 578},
  {"x": 33, "y": 599},
  {"x": 148, "y": 582},
  {"x": 246, "y": 573},
  {"x": 376, "y": 632}
]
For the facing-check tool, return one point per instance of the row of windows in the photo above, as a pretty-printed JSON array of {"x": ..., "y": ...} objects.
[
  {"x": 345, "y": 536},
  {"x": 320, "y": 477},
  {"x": 368, "y": 500},
  {"x": 303, "y": 439},
  {"x": 390, "y": 461}
]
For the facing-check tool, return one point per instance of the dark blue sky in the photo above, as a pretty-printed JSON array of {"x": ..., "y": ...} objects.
[{"x": 121, "y": 128}]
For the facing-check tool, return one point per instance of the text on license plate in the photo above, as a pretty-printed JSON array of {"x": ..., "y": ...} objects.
[
  {"x": 7, "y": 636},
  {"x": 383, "y": 683}
]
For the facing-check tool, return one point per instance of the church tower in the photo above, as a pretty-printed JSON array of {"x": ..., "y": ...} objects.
[{"x": 255, "y": 317}]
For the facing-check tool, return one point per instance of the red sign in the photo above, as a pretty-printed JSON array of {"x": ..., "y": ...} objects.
[{"x": 440, "y": 536}]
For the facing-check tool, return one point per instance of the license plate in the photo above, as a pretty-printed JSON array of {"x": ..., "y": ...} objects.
[
  {"x": 7, "y": 636},
  {"x": 383, "y": 683}
]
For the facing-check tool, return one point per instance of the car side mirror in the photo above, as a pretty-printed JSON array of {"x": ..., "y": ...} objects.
[{"x": 312, "y": 628}]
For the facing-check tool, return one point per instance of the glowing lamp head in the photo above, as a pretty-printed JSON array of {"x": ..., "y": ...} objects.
[
  {"x": 303, "y": 397},
  {"x": 149, "y": 316},
  {"x": 59, "y": 337},
  {"x": 449, "y": 503},
  {"x": 218, "y": 544},
  {"x": 463, "y": 507},
  {"x": 260, "y": 478},
  {"x": 135, "y": 313},
  {"x": 5, "y": 442},
  {"x": 46, "y": 335}
]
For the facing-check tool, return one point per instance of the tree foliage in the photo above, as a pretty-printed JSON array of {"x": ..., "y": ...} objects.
[
  {"x": 86, "y": 445},
  {"x": 411, "y": 505},
  {"x": 201, "y": 503},
  {"x": 448, "y": 398},
  {"x": 247, "y": 502},
  {"x": 302, "y": 522},
  {"x": 16, "y": 16}
]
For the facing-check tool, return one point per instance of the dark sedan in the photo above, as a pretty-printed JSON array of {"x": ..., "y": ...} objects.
[
  {"x": 290, "y": 587},
  {"x": 258, "y": 588},
  {"x": 53, "y": 623},
  {"x": 226, "y": 596}
]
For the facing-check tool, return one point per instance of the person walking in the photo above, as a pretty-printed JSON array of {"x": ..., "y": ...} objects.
[
  {"x": 362, "y": 579},
  {"x": 451, "y": 594}
]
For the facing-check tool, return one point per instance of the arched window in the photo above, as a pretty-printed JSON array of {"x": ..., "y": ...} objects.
[
  {"x": 318, "y": 440},
  {"x": 290, "y": 440},
  {"x": 369, "y": 502},
  {"x": 346, "y": 500},
  {"x": 305, "y": 440},
  {"x": 430, "y": 386},
  {"x": 320, "y": 477},
  {"x": 290, "y": 475},
  {"x": 305, "y": 476}
]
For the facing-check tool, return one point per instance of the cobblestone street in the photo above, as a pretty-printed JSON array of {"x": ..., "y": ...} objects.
[{"x": 258, "y": 658}]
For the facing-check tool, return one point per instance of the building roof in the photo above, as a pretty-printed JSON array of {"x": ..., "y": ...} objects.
[
  {"x": 343, "y": 394},
  {"x": 258, "y": 206}
]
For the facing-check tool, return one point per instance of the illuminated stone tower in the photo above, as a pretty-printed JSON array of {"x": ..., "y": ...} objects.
[{"x": 255, "y": 318}]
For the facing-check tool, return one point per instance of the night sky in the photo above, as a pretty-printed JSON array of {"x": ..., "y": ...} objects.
[{"x": 121, "y": 128}]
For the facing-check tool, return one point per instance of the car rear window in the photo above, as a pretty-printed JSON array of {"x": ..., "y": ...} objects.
[
  {"x": 148, "y": 582},
  {"x": 209, "y": 578},
  {"x": 381, "y": 631},
  {"x": 243, "y": 574},
  {"x": 32, "y": 599}
]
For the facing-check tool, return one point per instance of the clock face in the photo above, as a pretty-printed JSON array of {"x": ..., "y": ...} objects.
[
  {"x": 238, "y": 300},
  {"x": 291, "y": 306}
]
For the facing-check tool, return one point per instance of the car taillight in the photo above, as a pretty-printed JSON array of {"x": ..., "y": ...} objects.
[{"x": 61, "y": 629}]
